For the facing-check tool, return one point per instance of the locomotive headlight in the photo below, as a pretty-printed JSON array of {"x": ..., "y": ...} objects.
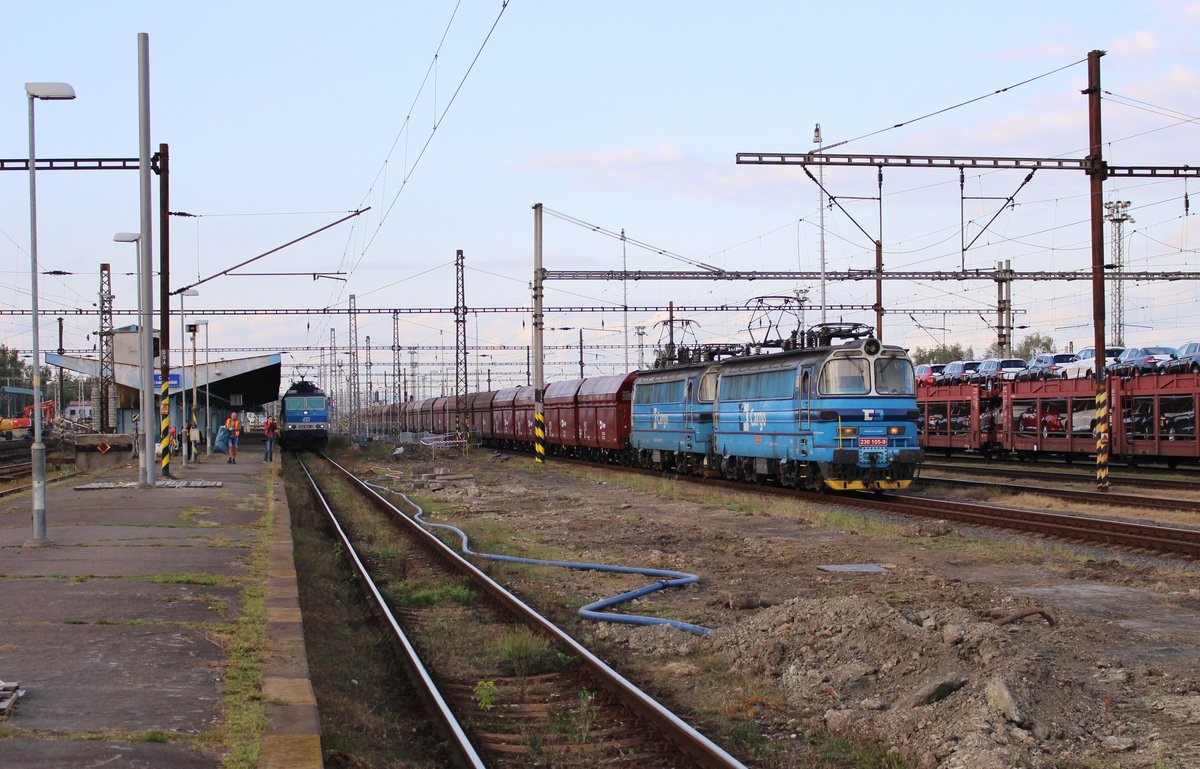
[
  {"x": 847, "y": 432},
  {"x": 896, "y": 430}
]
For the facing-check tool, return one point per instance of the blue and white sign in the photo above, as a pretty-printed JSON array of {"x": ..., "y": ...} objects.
[{"x": 175, "y": 380}]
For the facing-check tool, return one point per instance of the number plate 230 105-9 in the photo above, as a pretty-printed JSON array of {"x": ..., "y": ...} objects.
[{"x": 873, "y": 442}]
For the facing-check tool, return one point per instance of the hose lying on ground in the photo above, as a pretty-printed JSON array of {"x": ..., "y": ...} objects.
[{"x": 594, "y": 610}]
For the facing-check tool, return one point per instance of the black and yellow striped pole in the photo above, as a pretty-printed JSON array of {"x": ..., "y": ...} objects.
[
  {"x": 539, "y": 437},
  {"x": 539, "y": 384},
  {"x": 1102, "y": 423},
  {"x": 165, "y": 437}
]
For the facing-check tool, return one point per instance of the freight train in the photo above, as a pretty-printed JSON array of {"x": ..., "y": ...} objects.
[
  {"x": 819, "y": 415},
  {"x": 304, "y": 417},
  {"x": 1152, "y": 418}
]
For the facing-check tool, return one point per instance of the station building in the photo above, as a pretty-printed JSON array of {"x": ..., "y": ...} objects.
[{"x": 215, "y": 386}]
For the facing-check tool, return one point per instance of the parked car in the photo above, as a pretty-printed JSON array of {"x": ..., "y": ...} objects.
[
  {"x": 1045, "y": 365},
  {"x": 1187, "y": 358},
  {"x": 994, "y": 369},
  {"x": 1083, "y": 365},
  {"x": 927, "y": 372},
  {"x": 956, "y": 371},
  {"x": 1141, "y": 360}
]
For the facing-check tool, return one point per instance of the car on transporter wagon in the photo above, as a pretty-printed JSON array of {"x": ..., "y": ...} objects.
[
  {"x": 1135, "y": 361},
  {"x": 956, "y": 372},
  {"x": 995, "y": 369},
  {"x": 926, "y": 373},
  {"x": 1083, "y": 365},
  {"x": 1045, "y": 365},
  {"x": 1187, "y": 358}
]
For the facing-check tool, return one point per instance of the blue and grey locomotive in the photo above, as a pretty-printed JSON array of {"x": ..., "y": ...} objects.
[
  {"x": 837, "y": 416},
  {"x": 304, "y": 417},
  {"x": 672, "y": 424}
]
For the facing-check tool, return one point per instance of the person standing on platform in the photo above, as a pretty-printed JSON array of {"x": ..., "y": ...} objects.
[
  {"x": 271, "y": 433},
  {"x": 234, "y": 426}
]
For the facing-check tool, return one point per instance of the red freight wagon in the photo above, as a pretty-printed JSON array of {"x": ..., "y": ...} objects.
[
  {"x": 1055, "y": 415},
  {"x": 1154, "y": 417},
  {"x": 480, "y": 406},
  {"x": 604, "y": 412},
  {"x": 504, "y": 429},
  {"x": 958, "y": 417},
  {"x": 562, "y": 413},
  {"x": 425, "y": 415},
  {"x": 523, "y": 408},
  {"x": 443, "y": 415},
  {"x": 408, "y": 417}
]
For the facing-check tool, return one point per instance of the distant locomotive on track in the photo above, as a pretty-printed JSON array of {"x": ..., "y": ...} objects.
[{"x": 304, "y": 417}]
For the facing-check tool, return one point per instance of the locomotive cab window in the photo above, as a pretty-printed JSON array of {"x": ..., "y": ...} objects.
[
  {"x": 894, "y": 376},
  {"x": 708, "y": 387},
  {"x": 845, "y": 376}
]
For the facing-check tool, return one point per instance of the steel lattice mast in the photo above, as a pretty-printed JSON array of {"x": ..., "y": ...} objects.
[
  {"x": 355, "y": 394},
  {"x": 108, "y": 364},
  {"x": 460, "y": 347},
  {"x": 1117, "y": 216}
]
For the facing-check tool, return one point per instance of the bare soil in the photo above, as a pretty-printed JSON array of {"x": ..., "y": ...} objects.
[{"x": 972, "y": 649}]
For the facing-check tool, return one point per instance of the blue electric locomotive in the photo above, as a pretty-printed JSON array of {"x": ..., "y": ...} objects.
[
  {"x": 672, "y": 426},
  {"x": 304, "y": 417},
  {"x": 837, "y": 416}
]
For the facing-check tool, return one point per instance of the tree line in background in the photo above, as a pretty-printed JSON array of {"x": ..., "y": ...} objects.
[
  {"x": 15, "y": 372},
  {"x": 1025, "y": 349}
]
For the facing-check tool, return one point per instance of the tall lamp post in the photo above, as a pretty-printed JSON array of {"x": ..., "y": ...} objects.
[
  {"x": 207, "y": 387},
  {"x": 145, "y": 364},
  {"x": 185, "y": 433},
  {"x": 51, "y": 92}
]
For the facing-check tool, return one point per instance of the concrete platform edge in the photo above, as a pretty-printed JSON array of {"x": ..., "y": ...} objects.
[{"x": 292, "y": 738}]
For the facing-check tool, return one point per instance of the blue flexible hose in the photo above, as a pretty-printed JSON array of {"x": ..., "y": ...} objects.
[{"x": 593, "y": 610}]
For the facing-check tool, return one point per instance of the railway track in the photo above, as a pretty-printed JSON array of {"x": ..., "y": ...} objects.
[
  {"x": 1075, "y": 495},
  {"x": 1154, "y": 538},
  {"x": 578, "y": 712},
  {"x": 1016, "y": 470}
]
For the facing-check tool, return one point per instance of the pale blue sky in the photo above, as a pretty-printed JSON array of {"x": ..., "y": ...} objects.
[{"x": 622, "y": 114}]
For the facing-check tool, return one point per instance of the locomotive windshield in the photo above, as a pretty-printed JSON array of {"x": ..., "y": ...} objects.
[
  {"x": 852, "y": 376},
  {"x": 300, "y": 404},
  {"x": 845, "y": 376},
  {"x": 894, "y": 376}
]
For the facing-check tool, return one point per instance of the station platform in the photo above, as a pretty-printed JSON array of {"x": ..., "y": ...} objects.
[{"x": 161, "y": 626}]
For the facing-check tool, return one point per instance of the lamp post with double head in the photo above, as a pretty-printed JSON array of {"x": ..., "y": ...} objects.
[
  {"x": 207, "y": 387},
  {"x": 45, "y": 92},
  {"x": 145, "y": 369},
  {"x": 185, "y": 432}
]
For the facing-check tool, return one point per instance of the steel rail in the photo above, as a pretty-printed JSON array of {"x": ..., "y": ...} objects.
[
  {"x": 448, "y": 722},
  {"x": 701, "y": 750},
  {"x": 1163, "y": 539},
  {"x": 1167, "y": 540},
  {"x": 1020, "y": 471},
  {"x": 1078, "y": 495}
]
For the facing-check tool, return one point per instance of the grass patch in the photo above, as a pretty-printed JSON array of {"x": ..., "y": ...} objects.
[
  {"x": 190, "y": 578},
  {"x": 863, "y": 755},
  {"x": 406, "y": 595}
]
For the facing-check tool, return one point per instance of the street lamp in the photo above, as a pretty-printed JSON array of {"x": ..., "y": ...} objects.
[
  {"x": 183, "y": 449},
  {"x": 145, "y": 368},
  {"x": 55, "y": 92},
  {"x": 207, "y": 388}
]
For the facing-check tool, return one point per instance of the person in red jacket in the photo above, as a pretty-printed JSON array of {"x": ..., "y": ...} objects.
[{"x": 271, "y": 433}]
